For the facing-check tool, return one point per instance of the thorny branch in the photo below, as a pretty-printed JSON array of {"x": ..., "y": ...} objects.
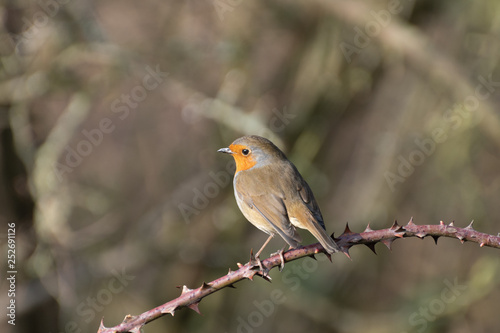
[{"x": 191, "y": 297}]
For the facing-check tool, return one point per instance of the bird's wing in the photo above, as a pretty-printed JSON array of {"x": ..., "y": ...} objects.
[
  {"x": 268, "y": 204},
  {"x": 307, "y": 197},
  {"x": 304, "y": 211}
]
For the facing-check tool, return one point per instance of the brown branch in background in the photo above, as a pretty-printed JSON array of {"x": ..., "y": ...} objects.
[{"x": 191, "y": 297}]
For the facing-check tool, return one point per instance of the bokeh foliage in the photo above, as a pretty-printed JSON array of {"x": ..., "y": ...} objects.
[{"x": 109, "y": 169}]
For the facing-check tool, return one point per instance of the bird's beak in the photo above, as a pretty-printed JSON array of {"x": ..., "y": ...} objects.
[{"x": 225, "y": 150}]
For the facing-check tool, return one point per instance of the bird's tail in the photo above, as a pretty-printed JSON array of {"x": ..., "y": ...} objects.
[{"x": 326, "y": 241}]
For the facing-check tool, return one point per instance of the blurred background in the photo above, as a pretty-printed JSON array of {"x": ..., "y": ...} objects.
[{"x": 112, "y": 113}]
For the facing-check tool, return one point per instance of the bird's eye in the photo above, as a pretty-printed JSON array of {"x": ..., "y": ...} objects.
[{"x": 245, "y": 152}]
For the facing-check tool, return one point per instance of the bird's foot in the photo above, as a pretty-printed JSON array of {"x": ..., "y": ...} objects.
[
  {"x": 255, "y": 262},
  {"x": 280, "y": 253}
]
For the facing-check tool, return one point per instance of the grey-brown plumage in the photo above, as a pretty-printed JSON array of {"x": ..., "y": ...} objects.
[{"x": 272, "y": 194}]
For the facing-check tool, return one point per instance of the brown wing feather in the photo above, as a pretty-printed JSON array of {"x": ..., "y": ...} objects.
[
  {"x": 304, "y": 211},
  {"x": 307, "y": 197},
  {"x": 269, "y": 207},
  {"x": 259, "y": 192}
]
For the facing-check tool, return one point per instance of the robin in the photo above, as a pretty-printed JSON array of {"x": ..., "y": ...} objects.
[{"x": 272, "y": 194}]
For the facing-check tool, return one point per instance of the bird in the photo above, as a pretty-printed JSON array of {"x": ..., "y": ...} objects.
[{"x": 273, "y": 196}]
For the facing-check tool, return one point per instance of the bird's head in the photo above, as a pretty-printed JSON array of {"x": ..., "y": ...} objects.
[{"x": 252, "y": 151}]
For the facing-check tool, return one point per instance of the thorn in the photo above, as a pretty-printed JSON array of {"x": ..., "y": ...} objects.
[
  {"x": 252, "y": 257},
  {"x": 470, "y": 225},
  {"x": 435, "y": 239},
  {"x": 461, "y": 238},
  {"x": 388, "y": 243},
  {"x": 328, "y": 256},
  {"x": 347, "y": 231},
  {"x": 411, "y": 221},
  {"x": 195, "y": 306},
  {"x": 205, "y": 286},
  {"x": 136, "y": 329},
  {"x": 185, "y": 289},
  {"x": 229, "y": 271},
  {"x": 312, "y": 256},
  {"x": 239, "y": 265},
  {"x": 452, "y": 224},
  {"x": 368, "y": 229},
  {"x": 266, "y": 277},
  {"x": 371, "y": 246},
  {"x": 346, "y": 252},
  {"x": 395, "y": 225},
  {"x": 101, "y": 326},
  {"x": 482, "y": 244},
  {"x": 170, "y": 310},
  {"x": 251, "y": 275},
  {"x": 421, "y": 234},
  {"x": 441, "y": 222},
  {"x": 231, "y": 286},
  {"x": 127, "y": 318}
]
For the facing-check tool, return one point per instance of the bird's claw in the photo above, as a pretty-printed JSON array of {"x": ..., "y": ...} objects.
[
  {"x": 280, "y": 253},
  {"x": 256, "y": 262}
]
